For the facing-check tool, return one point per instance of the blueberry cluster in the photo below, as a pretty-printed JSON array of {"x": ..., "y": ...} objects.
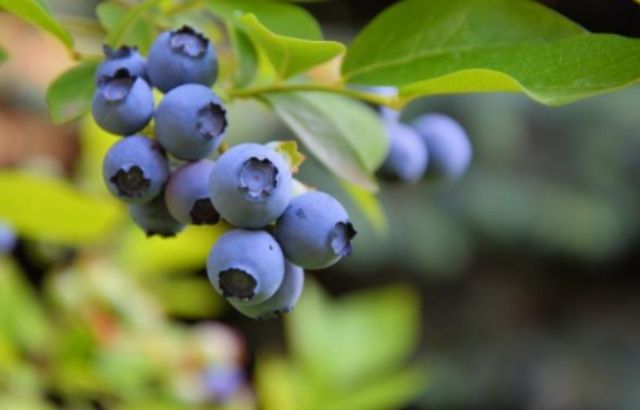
[
  {"x": 169, "y": 181},
  {"x": 434, "y": 144}
]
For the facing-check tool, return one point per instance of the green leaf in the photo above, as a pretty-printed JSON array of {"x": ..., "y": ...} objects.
[
  {"x": 3, "y": 55},
  {"x": 459, "y": 46},
  {"x": 344, "y": 134},
  {"x": 369, "y": 205},
  {"x": 140, "y": 34},
  {"x": 46, "y": 208},
  {"x": 279, "y": 17},
  {"x": 22, "y": 318},
  {"x": 389, "y": 316},
  {"x": 35, "y": 12},
  {"x": 246, "y": 57},
  {"x": 185, "y": 252},
  {"x": 278, "y": 384},
  {"x": 289, "y": 55},
  {"x": 393, "y": 391},
  {"x": 188, "y": 297},
  {"x": 69, "y": 96},
  {"x": 121, "y": 31}
]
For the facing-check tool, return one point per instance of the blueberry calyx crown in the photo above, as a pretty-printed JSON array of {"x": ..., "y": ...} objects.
[
  {"x": 189, "y": 42},
  {"x": 341, "y": 237},
  {"x": 258, "y": 178},
  {"x": 116, "y": 88},
  {"x": 120, "y": 52},
  {"x": 203, "y": 213},
  {"x": 237, "y": 283},
  {"x": 132, "y": 182},
  {"x": 212, "y": 121}
]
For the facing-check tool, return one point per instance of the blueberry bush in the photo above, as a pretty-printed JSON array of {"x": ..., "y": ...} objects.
[{"x": 156, "y": 93}]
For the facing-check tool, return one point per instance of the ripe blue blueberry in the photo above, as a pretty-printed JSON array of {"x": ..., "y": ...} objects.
[
  {"x": 8, "y": 239},
  {"x": 154, "y": 218},
  {"x": 449, "y": 148},
  {"x": 180, "y": 57},
  {"x": 246, "y": 265},
  {"x": 190, "y": 122},
  {"x": 407, "y": 158},
  {"x": 284, "y": 299},
  {"x": 251, "y": 185},
  {"x": 121, "y": 58},
  {"x": 187, "y": 194},
  {"x": 122, "y": 104},
  {"x": 315, "y": 231},
  {"x": 135, "y": 169}
]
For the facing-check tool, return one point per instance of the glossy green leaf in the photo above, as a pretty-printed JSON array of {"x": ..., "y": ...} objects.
[
  {"x": 459, "y": 46},
  {"x": 389, "y": 316},
  {"x": 140, "y": 34},
  {"x": 121, "y": 31},
  {"x": 344, "y": 134},
  {"x": 69, "y": 96},
  {"x": 279, "y": 17},
  {"x": 288, "y": 55},
  {"x": 36, "y": 13},
  {"x": 46, "y": 208}
]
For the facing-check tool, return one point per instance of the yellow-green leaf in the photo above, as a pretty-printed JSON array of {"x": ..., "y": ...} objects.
[
  {"x": 51, "y": 209},
  {"x": 289, "y": 55},
  {"x": 185, "y": 252},
  {"x": 369, "y": 206},
  {"x": 278, "y": 16},
  {"x": 69, "y": 96},
  {"x": 119, "y": 33},
  {"x": 36, "y": 13}
]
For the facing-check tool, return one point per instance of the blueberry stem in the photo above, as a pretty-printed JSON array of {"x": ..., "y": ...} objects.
[
  {"x": 252, "y": 92},
  {"x": 184, "y": 6}
]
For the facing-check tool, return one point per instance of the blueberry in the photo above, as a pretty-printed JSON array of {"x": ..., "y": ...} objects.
[
  {"x": 284, "y": 299},
  {"x": 387, "y": 114},
  {"x": 251, "y": 185},
  {"x": 190, "y": 122},
  {"x": 8, "y": 239},
  {"x": 187, "y": 194},
  {"x": 222, "y": 381},
  {"x": 449, "y": 148},
  {"x": 180, "y": 57},
  {"x": 117, "y": 59},
  {"x": 154, "y": 218},
  {"x": 246, "y": 265},
  {"x": 315, "y": 231},
  {"x": 135, "y": 169},
  {"x": 407, "y": 158},
  {"x": 122, "y": 103}
]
